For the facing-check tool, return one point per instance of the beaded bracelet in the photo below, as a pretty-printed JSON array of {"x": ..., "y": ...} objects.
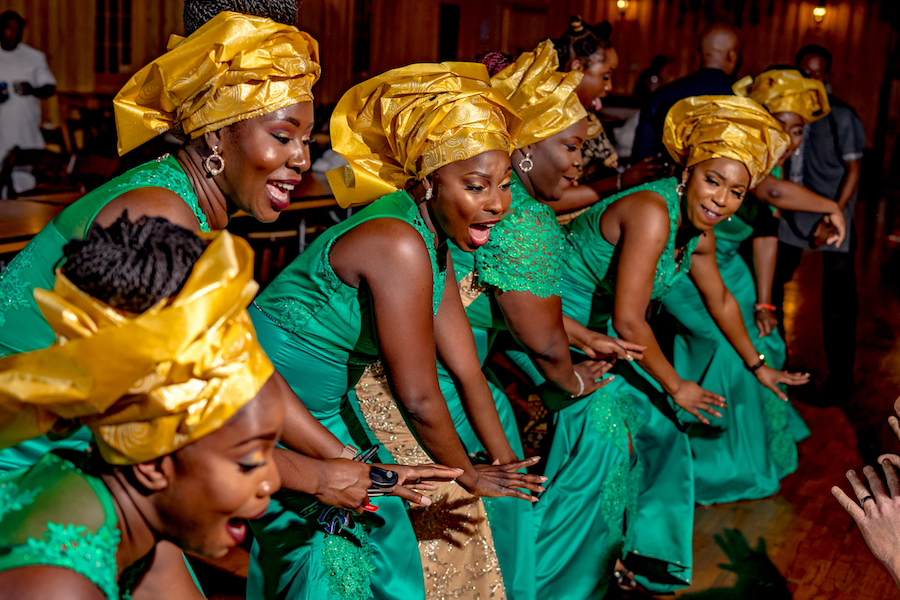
[
  {"x": 759, "y": 307},
  {"x": 580, "y": 387}
]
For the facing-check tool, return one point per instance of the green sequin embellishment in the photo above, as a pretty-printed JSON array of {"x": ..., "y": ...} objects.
[
  {"x": 781, "y": 444},
  {"x": 90, "y": 554},
  {"x": 524, "y": 250},
  {"x": 348, "y": 564},
  {"x": 164, "y": 175},
  {"x": 13, "y": 287},
  {"x": 12, "y": 500}
]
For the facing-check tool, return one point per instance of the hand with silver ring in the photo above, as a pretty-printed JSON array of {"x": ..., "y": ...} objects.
[{"x": 879, "y": 522}]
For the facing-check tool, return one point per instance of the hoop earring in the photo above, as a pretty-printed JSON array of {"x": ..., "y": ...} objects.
[
  {"x": 679, "y": 189},
  {"x": 526, "y": 164},
  {"x": 429, "y": 194},
  {"x": 213, "y": 170}
]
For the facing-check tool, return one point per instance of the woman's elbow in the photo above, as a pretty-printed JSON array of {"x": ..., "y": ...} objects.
[{"x": 628, "y": 326}]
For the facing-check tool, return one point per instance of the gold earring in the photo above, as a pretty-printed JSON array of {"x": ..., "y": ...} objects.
[{"x": 211, "y": 169}]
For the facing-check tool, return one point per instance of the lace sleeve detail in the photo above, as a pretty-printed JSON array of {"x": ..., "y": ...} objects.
[{"x": 524, "y": 252}]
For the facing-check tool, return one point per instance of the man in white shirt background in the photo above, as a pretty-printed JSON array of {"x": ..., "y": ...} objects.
[{"x": 25, "y": 79}]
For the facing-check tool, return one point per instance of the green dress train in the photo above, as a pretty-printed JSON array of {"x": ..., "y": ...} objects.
[
  {"x": 320, "y": 334},
  {"x": 22, "y": 327},
  {"x": 56, "y": 514},
  {"x": 600, "y": 501},
  {"x": 744, "y": 454},
  {"x": 523, "y": 254}
]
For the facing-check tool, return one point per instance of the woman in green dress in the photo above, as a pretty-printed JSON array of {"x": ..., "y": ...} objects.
[
  {"x": 746, "y": 453},
  {"x": 430, "y": 144},
  {"x": 242, "y": 158},
  {"x": 624, "y": 252},
  {"x": 168, "y": 374}
]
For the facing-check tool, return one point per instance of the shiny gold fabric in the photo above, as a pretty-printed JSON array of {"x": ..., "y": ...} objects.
[
  {"x": 145, "y": 384},
  {"x": 544, "y": 97},
  {"x": 233, "y": 68},
  {"x": 455, "y": 540},
  {"x": 786, "y": 90},
  {"x": 706, "y": 127},
  {"x": 402, "y": 125}
]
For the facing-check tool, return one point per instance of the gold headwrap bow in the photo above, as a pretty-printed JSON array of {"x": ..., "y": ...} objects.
[
  {"x": 786, "y": 90},
  {"x": 543, "y": 97},
  {"x": 145, "y": 384},
  {"x": 402, "y": 125},
  {"x": 233, "y": 68},
  {"x": 706, "y": 127}
]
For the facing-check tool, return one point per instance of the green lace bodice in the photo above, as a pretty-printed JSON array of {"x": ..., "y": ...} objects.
[
  {"x": 523, "y": 254},
  {"x": 309, "y": 300},
  {"x": 524, "y": 251},
  {"x": 54, "y": 514},
  {"x": 589, "y": 258},
  {"x": 22, "y": 327}
]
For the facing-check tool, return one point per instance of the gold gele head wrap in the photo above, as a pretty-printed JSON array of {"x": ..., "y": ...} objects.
[
  {"x": 234, "y": 67},
  {"x": 706, "y": 127},
  {"x": 544, "y": 97},
  {"x": 786, "y": 90},
  {"x": 404, "y": 124},
  {"x": 145, "y": 384}
]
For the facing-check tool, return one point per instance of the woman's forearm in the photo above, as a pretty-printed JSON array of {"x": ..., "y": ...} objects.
[
  {"x": 765, "y": 252},
  {"x": 788, "y": 195},
  {"x": 654, "y": 361},
  {"x": 727, "y": 315},
  {"x": 577, "y": 197}
]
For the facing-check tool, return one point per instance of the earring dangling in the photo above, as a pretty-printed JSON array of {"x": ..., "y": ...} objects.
[
  {"x": 679, "y": 189},
  {"x": 429, "y": 194},
  {"x": 526, "y": 164},
  {"x": 213, "y": 170}
]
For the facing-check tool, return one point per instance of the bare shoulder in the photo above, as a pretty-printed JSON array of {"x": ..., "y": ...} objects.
[
  {"x": 385, "y": 246},
  {"x": 48, "y": 583},
  {"x": 149, "y": 202},
  {"x": 645, "y": 212}
]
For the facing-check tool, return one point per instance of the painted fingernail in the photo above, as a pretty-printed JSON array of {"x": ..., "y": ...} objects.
[
  {"x": 886, "y": 462},
  {"x": 629, "y": 357},
  {"x": 543, "y": 479},
  {"x": 425, "y": 501},
  {"x": 370, "y": 508}
]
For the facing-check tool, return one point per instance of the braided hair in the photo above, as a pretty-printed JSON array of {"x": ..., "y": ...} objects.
[
  {"x": 494, "y": 61},
  {"x": 583, "y": 41},
  {"x": 132, "y": 266},
  {"x": 198, "y": 12}
]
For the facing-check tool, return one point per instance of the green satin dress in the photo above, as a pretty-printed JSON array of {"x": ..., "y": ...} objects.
[
  {"x": 320, "y": 334},
  {"x": 744, "y": 454},
  {"x": 601, "y": 503},
  {"x": 56, "y": 514},
  {"x": 523, "y": 254},
  {"x": 22, "y": 327}
]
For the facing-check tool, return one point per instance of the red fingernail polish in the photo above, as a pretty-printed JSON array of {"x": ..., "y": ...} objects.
[{"x": 370, "y": 508}]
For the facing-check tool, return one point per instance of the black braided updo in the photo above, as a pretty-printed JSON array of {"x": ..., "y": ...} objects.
[
  {"x": 583, "y": 41},
  {"x": 198, "y": 12},
  {"x": 132, "y": 266}
]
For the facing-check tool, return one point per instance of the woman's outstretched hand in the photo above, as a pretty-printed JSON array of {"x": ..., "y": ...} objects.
[
  {"x": 600, "y": 346},
  {"x": 770, "y": 378},
  {"x": 877, "y": 513},
  {"x": 591, "y": 372},
  {"x": 419, "y": 477},
  {"x": 693, "y": 398},
  {"x": 765, "y": 321},
  {"x": 498, "y": 480}
]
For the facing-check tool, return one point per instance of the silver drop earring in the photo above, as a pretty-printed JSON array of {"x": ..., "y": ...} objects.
[
  {"x": 526, "y": 164},
  {"x": 214, "y": 169},
  {"x": 679, "y": 189}
]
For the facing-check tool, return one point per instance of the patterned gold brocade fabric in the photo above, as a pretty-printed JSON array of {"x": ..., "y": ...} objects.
[
  {"x": 543, "y": 96},
  {"x": 234, "y": 67},
  {"x": 786, "y": 90},
  {"x": 455, "y": 540},
  {"x": 469, "y": 290},
  {"x": 145, "y": 384},
  {"x": 701, "y": 128},
  {"x": 404, "y": 124}
]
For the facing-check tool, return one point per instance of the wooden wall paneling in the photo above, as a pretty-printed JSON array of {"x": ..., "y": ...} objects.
[
  {"x": 403, "y": 32},
  {"x": 331, "y": 23}
]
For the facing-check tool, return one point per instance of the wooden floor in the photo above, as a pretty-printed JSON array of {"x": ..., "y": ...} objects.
[{"x": 800, "y": 543}]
